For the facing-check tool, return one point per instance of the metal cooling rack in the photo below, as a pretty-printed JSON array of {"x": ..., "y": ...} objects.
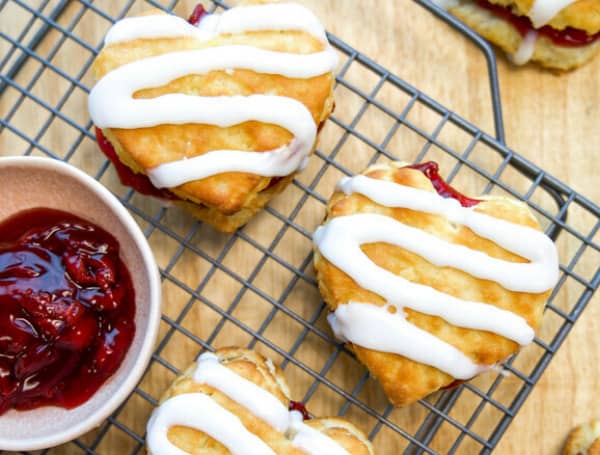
[{"x": 468, "y": 419}]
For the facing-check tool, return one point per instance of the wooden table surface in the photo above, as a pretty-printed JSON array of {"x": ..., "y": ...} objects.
[{"x": 552, "y": 119}]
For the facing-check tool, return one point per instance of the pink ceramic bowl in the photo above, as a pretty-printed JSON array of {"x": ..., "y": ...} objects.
[{"x": 27, "y": 182}]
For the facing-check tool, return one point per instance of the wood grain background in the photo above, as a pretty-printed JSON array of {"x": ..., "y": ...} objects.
[{"x": 552, "y": 119}]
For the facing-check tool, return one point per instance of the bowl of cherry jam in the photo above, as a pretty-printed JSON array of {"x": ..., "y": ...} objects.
[{"x": 79, "y": 303}]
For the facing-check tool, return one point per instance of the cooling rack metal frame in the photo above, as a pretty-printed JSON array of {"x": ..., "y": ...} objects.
[{"x": 438, "y": 409}]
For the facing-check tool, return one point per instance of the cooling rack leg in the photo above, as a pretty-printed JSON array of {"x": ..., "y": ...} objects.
[{"x": 490, "y": 58}]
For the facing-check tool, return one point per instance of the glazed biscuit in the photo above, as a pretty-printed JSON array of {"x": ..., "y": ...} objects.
[
  {"x": 535, "y": 30},
  {"x": 503, "y": 34},
  {"x": 261, "y": 82},
  {"x": 220, "y": 380},
  {"x": 402, "y": 308},
  {"x": 584, "y": 440}
]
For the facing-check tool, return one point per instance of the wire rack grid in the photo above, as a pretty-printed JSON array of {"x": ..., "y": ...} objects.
[{"x": 257, "y": 287}]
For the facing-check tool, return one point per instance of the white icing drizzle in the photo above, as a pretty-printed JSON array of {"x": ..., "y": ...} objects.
[
  {"x": 340, "y": 240},
  {"x": 254, "y": 398},
  {"x": 526, "y": 49},
  {"x": 371, "y": 326},
  {"x": 543, "y": 11},
  {"x": 201, "y": 412},
  {"x": 276, "y": 16},
  {"x": 310, "y": 440},
  {"x": 377, "y": 328},
  {"x": 111, "y": 102},
  {"x": 529, "y": 243},
  {"x": 154, "y": 26},
  {"x": 279, "y": 162}
]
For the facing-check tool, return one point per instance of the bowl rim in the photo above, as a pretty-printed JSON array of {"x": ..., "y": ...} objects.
[{"x": 133, "y": 376}]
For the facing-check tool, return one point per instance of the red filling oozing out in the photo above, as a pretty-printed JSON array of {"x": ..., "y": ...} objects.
[
  {"x": 197, "y": 14},
  {"x": 138, "y": 182},
  {"x": 67, "y": 308},
  {"x": 297, "y": 406},
  {"x": 570, "y": 37},
  {"x": 431, "y": 170}
]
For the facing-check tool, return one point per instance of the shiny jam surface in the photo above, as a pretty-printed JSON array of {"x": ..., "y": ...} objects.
[
  {"x": 67, "y": 308},
  {"x": 297, "y": 406},
  {"x": 569, "y": 37},
  {"x": 454, "y": 384},
  {"x": 431, "y": 171},
  {"x": 138, "y": 182}
]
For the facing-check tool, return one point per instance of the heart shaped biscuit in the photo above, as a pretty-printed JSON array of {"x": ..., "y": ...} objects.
[
  {"x": 426, "y": 285},
  {"x": 584, "y": 439},
  {"x": 219, "y": 115},
  {"x": 237, "y": 401}
]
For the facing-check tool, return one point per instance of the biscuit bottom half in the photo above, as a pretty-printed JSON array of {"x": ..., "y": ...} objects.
[
  {"x": 561, "y": 49},
  {"x": 131, "y": 174}
]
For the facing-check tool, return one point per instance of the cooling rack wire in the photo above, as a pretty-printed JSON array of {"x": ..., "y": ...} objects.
[{"x": 256, "y": 287}]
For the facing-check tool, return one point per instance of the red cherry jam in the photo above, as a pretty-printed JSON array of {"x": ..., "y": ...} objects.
[
  {"x": 138, "y": 182},
  {"x": 431, "y": 171},
  {"x": 197, "y": 15},
  {"x": 454, "y": 384},
  {"x": 569, "y": 37},
  {"x": 297, "y": 406},
  {"x": 67, "y": 308}
]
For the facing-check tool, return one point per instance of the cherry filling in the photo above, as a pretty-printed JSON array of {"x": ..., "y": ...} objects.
[
  {"x": 138, "y": 182},
  {"x": 67, "y": 308},
  {"x": 454, "y": 384},
  {"x": 297, "y": 406},
  {"x": 431, "y": 170},
  {"x": 197, "y": 15},
  {"x": 569, "y": 37}
]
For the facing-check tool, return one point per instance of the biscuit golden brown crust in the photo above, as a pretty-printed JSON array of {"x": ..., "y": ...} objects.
[
  {"x": 582, "y": 14},
  {"x": 225, "y": 200},
  {"x": 261, "y": 371},
  {"x": 405, "y": 381},
  {"x": 584, "y": 440},
  {"x": 505, "y": 35}
]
